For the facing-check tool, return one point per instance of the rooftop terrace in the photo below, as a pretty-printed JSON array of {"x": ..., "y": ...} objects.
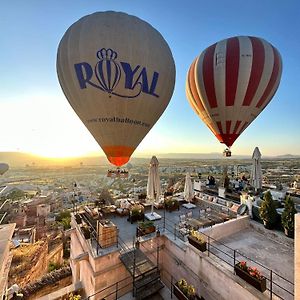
[{"x": 230, "y": 240}]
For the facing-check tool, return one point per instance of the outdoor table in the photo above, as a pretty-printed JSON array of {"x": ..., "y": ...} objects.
[
  {"x": 223, "y": 216},
  {"x": 214, "y": 218},
  {"x": 206, "y": 222},
  {"x": 109, "y": 209},
  {"x": 193, "y": 223}
]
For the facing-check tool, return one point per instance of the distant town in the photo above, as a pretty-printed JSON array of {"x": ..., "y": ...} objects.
[{"x": 38, "y": 204}]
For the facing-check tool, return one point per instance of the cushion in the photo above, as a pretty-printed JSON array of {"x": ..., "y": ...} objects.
[
  {"x": 229, "y": 203},
  {"x": 234, "y": 207}
]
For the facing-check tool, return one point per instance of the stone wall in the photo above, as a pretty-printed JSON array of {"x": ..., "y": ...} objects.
[
  {"x": 29, "y": 263},
  {"x": 211, "y": 280},
  {"x": 56, "y": 254},
  {"x": 227, "y": 228},
  {"x": 95, "y": 273}
]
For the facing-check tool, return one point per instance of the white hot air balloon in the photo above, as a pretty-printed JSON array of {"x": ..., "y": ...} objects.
[
  {"x": 3, "y": 168},
  {"x": 118, "y": 74}
]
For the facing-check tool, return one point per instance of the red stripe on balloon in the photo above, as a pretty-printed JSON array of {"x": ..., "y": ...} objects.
[
  {"x": 228, "y": 125},
  {"x": 273, "y": 79},
  {"x": 219, "y": 124},
  {"x": 236, "y": 127},
  {"x": 232, "y": 69},
  {"x": 193, "y": 88},
  {"x": 258, "y": 61},
  {"x": 208, "y": 76}
]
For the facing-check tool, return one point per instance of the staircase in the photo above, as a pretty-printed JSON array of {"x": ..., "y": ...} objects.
[{"x": 146, "y": 276}]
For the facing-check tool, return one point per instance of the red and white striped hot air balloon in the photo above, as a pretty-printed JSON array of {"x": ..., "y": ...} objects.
[{"x": 231, "y": 82}]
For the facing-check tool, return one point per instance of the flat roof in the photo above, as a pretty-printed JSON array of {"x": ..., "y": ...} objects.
[{"x": 6, "y": 233}]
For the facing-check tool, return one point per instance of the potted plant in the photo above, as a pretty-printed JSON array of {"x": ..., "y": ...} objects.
[
  {"x": 78, "y": 219},
  {"x": 184, "y": 291},
  {"x": 251, "y": 275},
  {"x": 171, "y": 204},
  {"x": 267, "y": 211},
  {"x": 287, "y": 217},
  {"x": 136, "y": 214},
  {"x": 86, "y": 232},
  {"x": 197, "y": 240},
  {"x": 144, "y": 228}
]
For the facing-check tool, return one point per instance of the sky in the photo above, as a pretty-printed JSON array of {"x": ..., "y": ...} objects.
[{"x": 37, "y": 118}]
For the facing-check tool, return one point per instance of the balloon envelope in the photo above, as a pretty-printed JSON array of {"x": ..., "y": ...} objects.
[
  {"x": 3, "y": 168},
  {"x": 118, "y": 74},
  {"x": 231, "y": 82}
]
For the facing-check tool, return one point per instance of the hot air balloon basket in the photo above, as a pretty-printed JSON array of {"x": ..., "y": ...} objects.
[
  {"x": 117, "y": 173},
  {"x": 227, "y": 153}
]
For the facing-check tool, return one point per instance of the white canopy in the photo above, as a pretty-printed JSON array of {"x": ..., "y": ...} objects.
[
  {"x": 188, "y": 188},
  {"x": 256, "y": 173},
  {"x": 153, "y": 185}
]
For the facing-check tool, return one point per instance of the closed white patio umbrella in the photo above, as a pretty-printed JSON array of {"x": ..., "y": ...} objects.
[
  {"x": 256, "y": 173},
  {"x": 188, "y": 191},
  {"x": 153, "y": 187}
]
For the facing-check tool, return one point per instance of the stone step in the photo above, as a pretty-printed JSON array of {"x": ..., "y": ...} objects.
[
  {"x": 149, "y": 290},
  {"x": 148, "y": 278}
]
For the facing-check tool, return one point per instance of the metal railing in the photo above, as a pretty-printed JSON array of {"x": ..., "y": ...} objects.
[
  {"x": 276, "y": 283},
  {"x": 113, "y": 291}
]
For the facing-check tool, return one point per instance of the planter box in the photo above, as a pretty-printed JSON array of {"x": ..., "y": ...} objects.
[
  {"x": 78, "y": 219},
  {"x": 145, "y": 231},
  {"x": 260, "y": 285},
  {"x": 289, "y": 233},
  {"x": 268, "y": 225},
  {"x": 197, "y": 244},
  {"x": 181, "y": 296},
  {"x": 86, "y": 233}
]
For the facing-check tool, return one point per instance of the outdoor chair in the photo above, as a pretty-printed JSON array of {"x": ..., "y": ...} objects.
[
  {"x": 159, "y": 204},
  {"x": 202, "y": 213},
  {"x": 189, "y": 215},
  {"x": 182, "y": 221}
]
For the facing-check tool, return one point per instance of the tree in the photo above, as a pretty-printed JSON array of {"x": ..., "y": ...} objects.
[
  {"x": 287, "y": 217},
  {"x": 105, "y": 195},
  {"x": 64, "y": 218},
  {"x": 15, "y": 195},
  {"x": 267, "y": 211}
]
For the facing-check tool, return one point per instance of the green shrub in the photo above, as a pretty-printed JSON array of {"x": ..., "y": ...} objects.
[
  {"x": 287, "y": 217},
  {"x": 267, "y": 210},
  {"x": 53, "y": 266},
  {"x": 146, "y": 224}
]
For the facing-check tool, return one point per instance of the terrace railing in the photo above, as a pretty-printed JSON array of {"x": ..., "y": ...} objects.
[{"x": 277, "y": 285}]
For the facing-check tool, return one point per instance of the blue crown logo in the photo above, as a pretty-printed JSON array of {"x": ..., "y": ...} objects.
[
  {"x": 107, "y": 54},
  {"x": 108, "y": 72}
]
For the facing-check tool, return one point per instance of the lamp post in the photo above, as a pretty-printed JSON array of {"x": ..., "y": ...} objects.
[{"x": 133, "y": 188}]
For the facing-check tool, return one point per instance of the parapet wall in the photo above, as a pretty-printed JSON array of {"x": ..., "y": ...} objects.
[
  {"x": 216, "y": 282},
  {"x": 227, "y": 228}
]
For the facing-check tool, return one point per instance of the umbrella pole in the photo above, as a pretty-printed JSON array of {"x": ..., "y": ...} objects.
[{"x": 152, "y": 205}]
